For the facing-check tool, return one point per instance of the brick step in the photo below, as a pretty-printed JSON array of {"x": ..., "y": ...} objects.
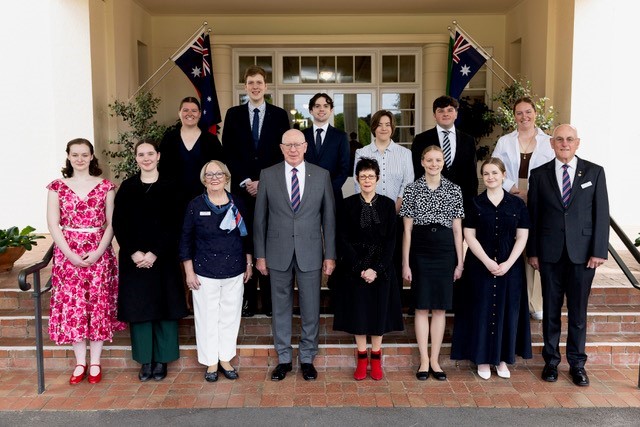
[
  {"x": 601, "y": 319},
  {"x": 603, "y": 350}
]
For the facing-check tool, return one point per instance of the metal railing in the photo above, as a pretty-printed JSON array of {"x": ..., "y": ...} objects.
[
  {"x": 632, "y": 249},
  {"x": 34, "y": 269}
]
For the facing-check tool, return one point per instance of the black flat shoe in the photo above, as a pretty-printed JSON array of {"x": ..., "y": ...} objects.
[
  {"x": 579, "y": 376},
  {"x": 211, "y": 377},
  {"x": 440, "y": 376},
  {"x": 230, "y": 374},
  {"x": 422, "y": 375},
  {"x": 309, "y": 372},
  {"x": 280, "y": 372},
  {"x": 550, "y": 373},
  {"x": 145, "y": 373},
  {"x": 159, "y": 371}
]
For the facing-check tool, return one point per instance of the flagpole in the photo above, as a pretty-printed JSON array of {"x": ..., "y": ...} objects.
[
  {"x": 485, "y": 52},
  {"x": 198, "y": 31}
]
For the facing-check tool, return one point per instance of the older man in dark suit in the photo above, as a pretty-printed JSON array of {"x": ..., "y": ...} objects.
[
  {"x": 570, "y": 215},
  {"x": 251, "y": 140},
  {"x": 458, "y": 147},
  {"x": 294, "y": 238}
]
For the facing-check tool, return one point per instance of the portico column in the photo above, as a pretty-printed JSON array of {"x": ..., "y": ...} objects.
[
  {"x": 221, "y": 55},
  {"x": 434, "y": 79}
]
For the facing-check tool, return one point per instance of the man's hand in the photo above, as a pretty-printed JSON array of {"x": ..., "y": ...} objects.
[
  {"x": 595, "y": 262},
  {"x": 252, "y": 188},
  {"x": 328, "y": 265},
  {"x": 261, "y": 266},
  {"x": 533, "y": 262}
]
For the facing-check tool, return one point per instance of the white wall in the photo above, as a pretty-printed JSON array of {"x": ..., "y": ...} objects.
[
  {"x": 46, "y": 100},
  {"x": 605, "y": 94}
]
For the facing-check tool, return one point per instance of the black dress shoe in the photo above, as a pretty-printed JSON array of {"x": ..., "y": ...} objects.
[
  {"x": 550, "y": 373},
  {"x": 145, "y": 373},
  {"x": 230, "y": 374},
  {"x": 309, "y": 372},
  {"x": 440, "y": 376},
  {"x": 579, "y": 376},
  {"x": 422, "y": 375},
  {"x": 211, "y": 377},
  {"x": 159, "y": 371},
  {"x": 246, "y": 311},
  {"x": 280, "y": 372}
]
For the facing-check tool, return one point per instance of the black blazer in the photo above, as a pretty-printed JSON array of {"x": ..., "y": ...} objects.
[
  {"x": 243, "y": 159},
  {"x": 583, "y": 227},
  {"x": 333, "y": 156},
  {"x": 463, "y": 170}
]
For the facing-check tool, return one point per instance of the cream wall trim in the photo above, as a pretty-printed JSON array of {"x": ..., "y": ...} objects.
[{"x": 330, "y": 39}]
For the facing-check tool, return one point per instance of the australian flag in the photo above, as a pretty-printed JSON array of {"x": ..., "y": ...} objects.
[
  {"x": 465, "y": 61},
  {"x": 195, "y": 61}
]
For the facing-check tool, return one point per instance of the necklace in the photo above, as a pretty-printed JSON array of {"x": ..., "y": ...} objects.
[{"x": 525, "y": 152}]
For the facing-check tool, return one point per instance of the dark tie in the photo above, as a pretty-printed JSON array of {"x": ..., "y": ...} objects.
[
  {"x": 295, "y": 190},
  {"x": 255, "y": 127},
  {"x": 446, "y": 148},
  {"x": 566, "y": 186},
  {"x": 318, "y": 140}
]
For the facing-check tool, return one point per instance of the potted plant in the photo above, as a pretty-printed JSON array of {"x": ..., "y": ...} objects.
[{"x": 13, "y": 243}]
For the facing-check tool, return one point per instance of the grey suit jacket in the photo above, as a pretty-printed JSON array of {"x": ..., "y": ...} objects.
[
  {"x": 279, "y": 233},
  {"x": 583, "y": 226}
]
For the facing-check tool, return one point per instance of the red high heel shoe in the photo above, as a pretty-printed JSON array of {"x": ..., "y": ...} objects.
[
  {"x": 95, "y": 379},
  {"x": 77, "y": 379}
]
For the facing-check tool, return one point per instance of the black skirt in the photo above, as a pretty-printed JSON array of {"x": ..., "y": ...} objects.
[{"x": 432, "y": 260}]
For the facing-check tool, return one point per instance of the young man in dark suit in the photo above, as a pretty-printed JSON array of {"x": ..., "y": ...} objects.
[
  {"x": 327, "y": 146},
  {"x": 461, "y": 168},
  {"x": 569, "y": 239},
  {"x": 251, "y": 138}
]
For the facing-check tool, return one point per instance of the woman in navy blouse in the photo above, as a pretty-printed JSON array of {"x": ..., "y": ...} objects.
[
  {"x": 492, "y": 317},
  {"x": 431, "y": 254},
  {"x": 216, "y": 252}
]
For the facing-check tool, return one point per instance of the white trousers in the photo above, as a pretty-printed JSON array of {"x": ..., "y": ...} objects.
[{"x": 217, "y": 307}]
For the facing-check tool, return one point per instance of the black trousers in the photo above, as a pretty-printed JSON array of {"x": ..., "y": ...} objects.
[{"x": 573, "y": 280}]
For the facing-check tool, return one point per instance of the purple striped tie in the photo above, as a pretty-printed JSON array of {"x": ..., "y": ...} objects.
[
  {"x": 295, "y": 190},
  {"x": 566, "y": 186}
]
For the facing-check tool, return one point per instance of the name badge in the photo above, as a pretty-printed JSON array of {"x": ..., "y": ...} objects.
[
  {"x": 586, "y": 184},
  {"x": 205, "y": 213}
]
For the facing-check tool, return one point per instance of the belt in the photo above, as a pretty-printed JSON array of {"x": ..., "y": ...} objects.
[{"x": 83, "y": 230}]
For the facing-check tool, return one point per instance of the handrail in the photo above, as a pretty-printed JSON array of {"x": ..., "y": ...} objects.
[
  {"x": 631, "y": 248},
  {"x": 37, "y": 293}
]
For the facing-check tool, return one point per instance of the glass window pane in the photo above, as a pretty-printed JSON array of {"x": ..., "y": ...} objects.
[
  {"x": 352, "y": 113},
  {"x": 309, "y": 69},
  {"x": 389, "y": 69},
  {"x": 244, "y": 62},
  {"x": 290, "y": 69},
  {"x": 266, "y": 63},
  {"x": 327, "y": 69},
  {"x": 407, "y": 68},
  {"x": 297, "y": 105},
  {"x": 363, "y": 69},
  {"x": 344, "y": 72},
  {"x": 390, "y": 101}
]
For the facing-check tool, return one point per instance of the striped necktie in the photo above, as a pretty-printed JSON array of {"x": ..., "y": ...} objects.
[
  {"x": 446, "y": 148},
  {"x": 295, "y": 190},
  {"x": 566, "y": 185}
]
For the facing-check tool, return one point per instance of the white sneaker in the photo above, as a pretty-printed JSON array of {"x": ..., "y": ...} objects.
[
  {"x": 503, "y": 371},
  {"x": 536, "y": 315},
  {"x": 484, "y": 372}
]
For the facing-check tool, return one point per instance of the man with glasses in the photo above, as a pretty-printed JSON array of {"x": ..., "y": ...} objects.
[
  {"x": 294, "y": 239},
  {"x": 251, "y": 138},
  {"x": 569, "y": 239}
]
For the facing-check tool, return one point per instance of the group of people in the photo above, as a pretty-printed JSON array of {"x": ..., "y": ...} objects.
[{"x": 267, "y": 205}]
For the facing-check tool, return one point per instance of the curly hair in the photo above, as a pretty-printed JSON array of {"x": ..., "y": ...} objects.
[{"x": 94, "y": 169}]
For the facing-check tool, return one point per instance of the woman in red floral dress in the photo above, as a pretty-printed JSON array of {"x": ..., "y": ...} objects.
[{"x": 85, "y": 272}]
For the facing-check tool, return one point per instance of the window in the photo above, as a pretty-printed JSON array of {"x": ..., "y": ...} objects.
[
  {"x": 398, "y": 69},
  {"x": 245, "y": 62},
  {"x": 326, "y": 69}
]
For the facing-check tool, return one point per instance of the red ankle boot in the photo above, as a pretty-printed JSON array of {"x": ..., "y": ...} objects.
[
  {"x": 361, "y": 369},
  {"x": 376, "y": 365}
]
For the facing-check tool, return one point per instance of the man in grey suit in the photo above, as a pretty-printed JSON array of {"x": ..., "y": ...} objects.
[
  {"x": 294, "y": 237},
  {"x": 569, "y": 239}
]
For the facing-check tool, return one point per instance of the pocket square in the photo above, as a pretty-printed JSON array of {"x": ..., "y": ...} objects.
[{"x": 586, "y": 184}]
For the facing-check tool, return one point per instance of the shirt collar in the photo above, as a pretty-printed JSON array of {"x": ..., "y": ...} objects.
[
  {"x": 372, "y": 147},
  {"x": 440, "y": 129},
  {"x": 262, "y": 107},
  {"x": 288, "y": 168},
  {"x": 324, "y": 128},
  {"x": 572, "y": 164}
]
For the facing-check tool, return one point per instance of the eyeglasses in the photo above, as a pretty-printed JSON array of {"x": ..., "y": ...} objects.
[
  {"x": 216, "y": 175},
  {"x": 295, "y": 145},
  {"x": 367, "y": 177}
]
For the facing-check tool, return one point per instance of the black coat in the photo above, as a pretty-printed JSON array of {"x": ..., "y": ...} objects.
[{"x": 148, "y": 219}]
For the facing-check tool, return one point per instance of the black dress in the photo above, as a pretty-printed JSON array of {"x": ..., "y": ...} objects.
[
  {"x": 367, "y": 308},
  {"x": 491, "y": 313},
  {"x": 183, "y": 166},
  {"x": 146, "y": 218}
]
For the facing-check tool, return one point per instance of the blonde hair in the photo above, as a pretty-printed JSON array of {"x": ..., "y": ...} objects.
[{"x": 222, "y": 166}]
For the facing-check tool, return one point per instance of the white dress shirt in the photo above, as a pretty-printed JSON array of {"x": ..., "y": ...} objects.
[
  {"x": 571, "y": 169},
  {"x": 322, "y": 135},
  {"x": 452, "y": 139},
  {"x": 301, "y": 175}
]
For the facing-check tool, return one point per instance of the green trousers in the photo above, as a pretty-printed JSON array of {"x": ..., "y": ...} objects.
[{"x": 155, "y": 341}]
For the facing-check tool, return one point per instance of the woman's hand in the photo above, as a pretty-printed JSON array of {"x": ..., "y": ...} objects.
[
  {"x": 406, "y": 273},
  {"x": 77, "y": 260},
  {"x": 492, "y": 266},
  {"x": 192, "y": 281},
  {"x": 248, "y": 272},
  {"x": 137, "y": 257},
  {"x": 369, "y": 275},
  {"x": 91, "y": 257},
  {"x": 147, "y": 260},
  {"x": 457, "y": 272}
]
